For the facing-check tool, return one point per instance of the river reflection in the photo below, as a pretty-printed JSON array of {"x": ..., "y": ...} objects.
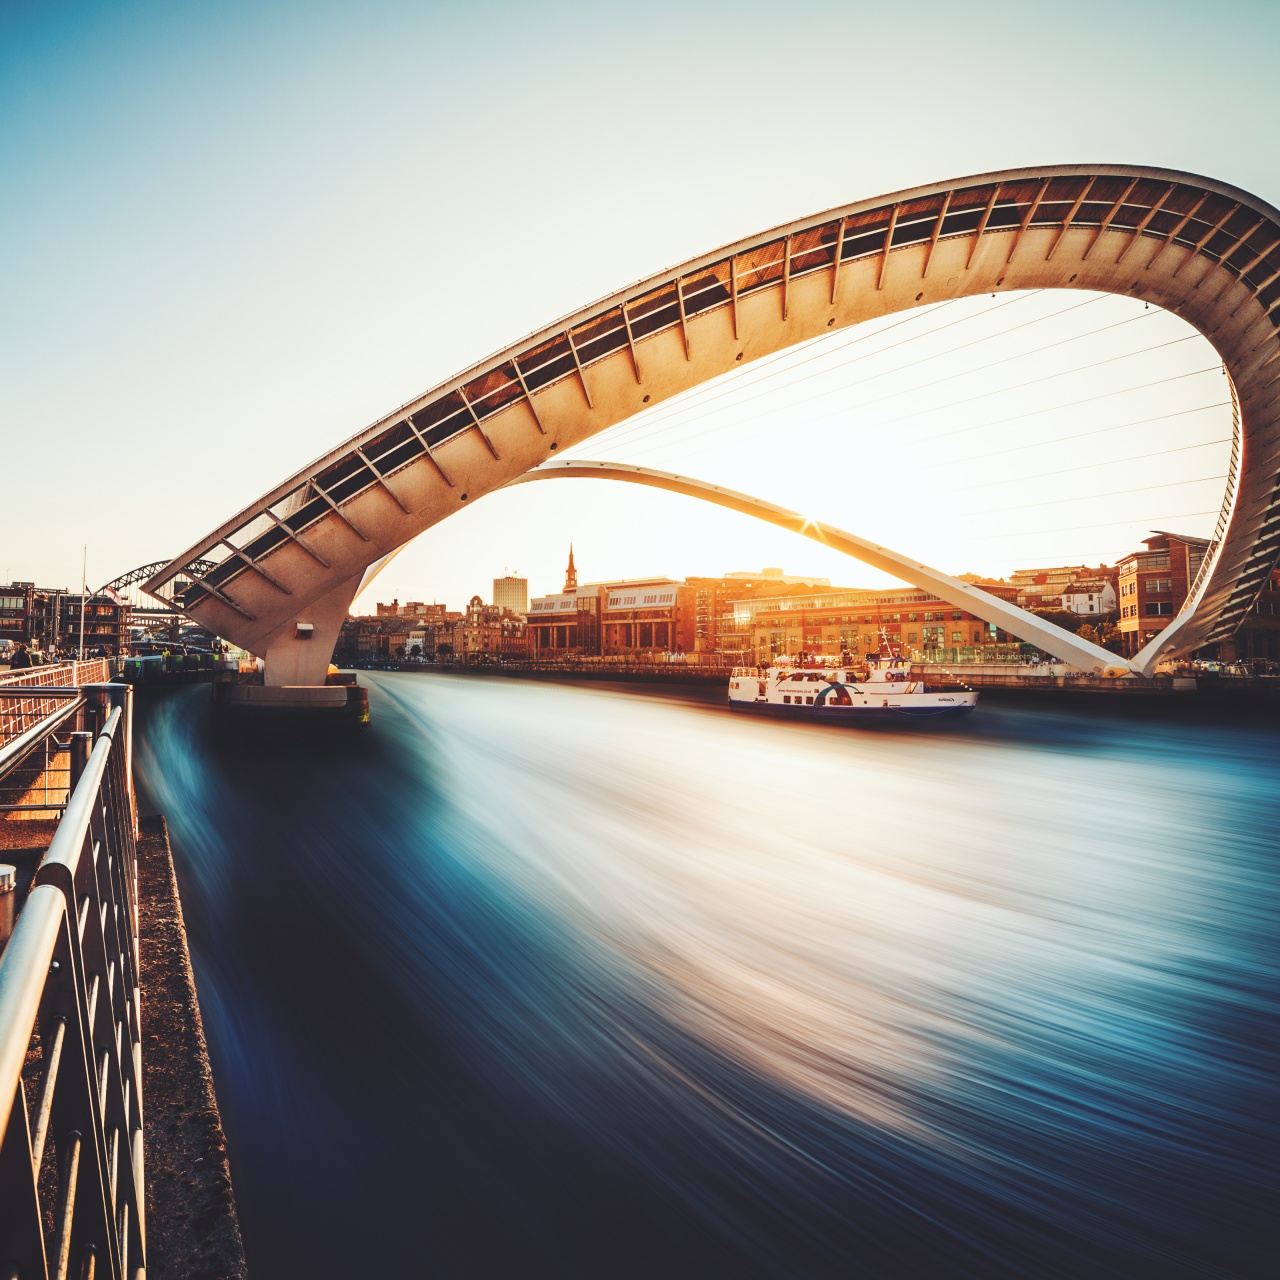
[{"x": 550, "y": 980}]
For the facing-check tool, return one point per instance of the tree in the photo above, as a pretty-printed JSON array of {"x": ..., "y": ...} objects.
[
  {"x": 445, "y": 650},
  {"x": 1106, "y": 634},
  {"x": 415, "y": 651}
]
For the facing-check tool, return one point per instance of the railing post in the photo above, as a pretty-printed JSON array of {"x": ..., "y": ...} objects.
[
  {"x": 103, "y": 699},
  {"x": 8, "y": 900},
  {"x": 81, "y": 744}
]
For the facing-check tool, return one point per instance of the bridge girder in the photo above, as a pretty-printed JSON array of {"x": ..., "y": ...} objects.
[{"x": 1205, "y": 250}]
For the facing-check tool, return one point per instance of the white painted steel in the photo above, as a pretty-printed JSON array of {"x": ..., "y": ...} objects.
[{"x": 1004, "y": 231}]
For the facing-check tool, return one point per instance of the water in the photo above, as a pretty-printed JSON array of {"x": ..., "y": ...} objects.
[{"x": 549, "y": 980}]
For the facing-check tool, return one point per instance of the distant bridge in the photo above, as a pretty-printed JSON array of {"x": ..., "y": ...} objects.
[{"x": 287, "y": 567}]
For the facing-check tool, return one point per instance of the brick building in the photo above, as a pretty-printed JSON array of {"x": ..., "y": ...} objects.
[
  {"x": 107, "y": 618},
  {"x": 916, "y": 624},
  {"x": 1153, "y": 585},
  {"x": 715, "y": 621},
  {"x": 32, "y": 615}
]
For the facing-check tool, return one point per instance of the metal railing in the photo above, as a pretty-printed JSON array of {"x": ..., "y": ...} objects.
[
  {"x": 91, "y": 671},
  {"x": 34, "y": 773},
  {"x": 72, "y": 1197}
]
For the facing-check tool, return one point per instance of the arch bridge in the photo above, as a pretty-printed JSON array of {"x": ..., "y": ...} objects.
[{"x": 286, "y": 568}]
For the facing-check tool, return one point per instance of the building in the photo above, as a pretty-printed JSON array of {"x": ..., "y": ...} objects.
[
  {"x": 1044, "y": 588},
  {"x": 646, "y": 616},
  {"x": 479, "y": 632},
  {"x": 512, "y": 594},
  {"x": 1084, "y": 598},
  {"x": 715, "y": 623},
  {"x": 107, "y": 619},
  {"x": 997, "y": 587},
  {"x": 29, "y": 614},
  {"x": 1154, "y": 584},
  {"x": 413, "y": 609},
  {"x": 629, "y": 618},
  {"x": 915, "y": 624}
]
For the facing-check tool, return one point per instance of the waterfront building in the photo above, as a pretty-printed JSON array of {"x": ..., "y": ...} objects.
[
  {"x": 512, "y": 594},
  {"x": 916, "y": 624},
  {"x": 480, "y": 630},
  {"x": 613, "y": 619},
  {"x": 714, "y": 621},
  {"x": 1153, "y": 585},
  {"x": 107, "y": 619},
  {"x": 29, "y": 614}
]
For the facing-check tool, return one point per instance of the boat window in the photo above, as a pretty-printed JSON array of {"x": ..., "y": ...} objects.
[
  {"x": 786, "y": 697},
  {"x": 809, "y": 700}
]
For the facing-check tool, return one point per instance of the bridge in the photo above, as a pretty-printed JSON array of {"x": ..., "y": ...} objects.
[{"x": 279, "y": 576}]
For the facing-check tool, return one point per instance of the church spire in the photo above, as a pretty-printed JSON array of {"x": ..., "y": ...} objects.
[{"x": 570, "y": 574}]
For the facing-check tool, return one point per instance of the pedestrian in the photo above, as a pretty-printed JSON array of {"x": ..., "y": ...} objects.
[{"x": 21, "y": 659}]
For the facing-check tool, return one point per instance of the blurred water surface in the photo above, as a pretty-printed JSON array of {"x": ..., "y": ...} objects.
[{"x": 547, "y": 980}]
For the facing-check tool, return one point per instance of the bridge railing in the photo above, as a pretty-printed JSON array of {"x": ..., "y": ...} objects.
[
  {"x": 35, "y": 749},
  {"x": 91, "y": 671},
  {"x": 72, "y": 1198}
]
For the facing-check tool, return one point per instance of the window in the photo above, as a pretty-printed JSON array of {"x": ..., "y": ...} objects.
[
  {"x": 1159, "y": 584},
  {"x": 957, "y": 637},
  {"x": 786, "y": 697},
  {"x": 809, "y": 701},
  {"x": 1159, "y": 607},
  {"x": 911, "y": 617},
  {"x": 911, "y": 637},
  {"x": 957, "y": 616}
]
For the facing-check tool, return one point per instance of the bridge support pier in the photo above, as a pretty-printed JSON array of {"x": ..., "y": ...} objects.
[{"x": 298, "y": 653}]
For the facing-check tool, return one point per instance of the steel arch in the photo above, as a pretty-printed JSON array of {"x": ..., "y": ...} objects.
[{"x": 1205, "y": 250}]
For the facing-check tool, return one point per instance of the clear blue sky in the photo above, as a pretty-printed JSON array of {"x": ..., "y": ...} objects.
[{"x": 233, "y": 234}]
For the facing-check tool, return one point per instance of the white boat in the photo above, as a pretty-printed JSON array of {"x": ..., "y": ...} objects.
[{"x": 826, "y": 689}]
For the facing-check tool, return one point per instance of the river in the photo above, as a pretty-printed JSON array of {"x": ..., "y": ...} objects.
[{"x": 537, "y": 979}]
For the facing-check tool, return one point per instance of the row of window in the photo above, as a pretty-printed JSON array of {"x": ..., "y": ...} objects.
[
  {"x": 1152, "y": 586},
  {"x": 1153, "y": 609}
]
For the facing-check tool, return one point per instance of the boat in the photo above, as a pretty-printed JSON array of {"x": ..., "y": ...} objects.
[{"x": 815, "y": 688}]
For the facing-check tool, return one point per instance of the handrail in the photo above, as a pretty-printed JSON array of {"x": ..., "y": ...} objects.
[
  {"x": 14, "y": 751},
  {"x": 69, "y": 984},
  {"x": 91, "y": 671}
]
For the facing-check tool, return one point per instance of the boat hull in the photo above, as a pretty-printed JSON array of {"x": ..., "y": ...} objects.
[{"x": 840, "y": 714}]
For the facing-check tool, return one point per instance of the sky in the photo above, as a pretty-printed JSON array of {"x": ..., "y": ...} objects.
[{"x": 234, "y": 234}]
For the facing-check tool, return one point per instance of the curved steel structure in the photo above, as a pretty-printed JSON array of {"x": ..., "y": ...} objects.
[
  {"x": 1205, "y": 250},
  {"x": 1027, "y": 626},
  {"x": 144, "y": 573}
]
